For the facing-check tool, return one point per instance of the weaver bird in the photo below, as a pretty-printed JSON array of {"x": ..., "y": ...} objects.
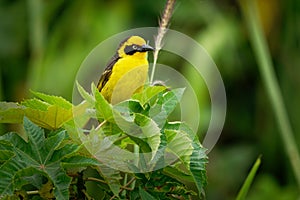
[{"x": 127, "y": 71}]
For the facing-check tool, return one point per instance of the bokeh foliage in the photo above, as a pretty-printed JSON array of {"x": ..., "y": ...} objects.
[{"x": 42, "y": 44}]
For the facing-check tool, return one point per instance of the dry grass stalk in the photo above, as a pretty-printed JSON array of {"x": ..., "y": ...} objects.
[{"x": 163, "y": 25}]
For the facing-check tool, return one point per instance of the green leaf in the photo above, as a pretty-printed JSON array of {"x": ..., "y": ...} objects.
[
  {"x": 112, "y": 177},
  {"x": 50, "y": 112},
  {"x": 178, "y": 174},
  {"x": 246, "y": 186},
  {"x": 89, "y": 98},
  {"x": 148, "y": 93},
  {"x": 145, "y": 195},
  {"x": 28, "y": 176},
  {"x": 5, "y": 155},
  {"x": 11, "y": 112},
  {"x": 6, "y": 151},
  {"x": 54, "y": 100},
  {"x": 104, "y": 110},
  {"x": 41, "y": 154},
  {"x": 150, "y": 132},
  {"x": 165, "y": 105},
  {"x": 79, "y": 161},
  {"x": 36, "y": 104},
  {"x": 53, "y": 118},
  {"x": 198, "y": 158},
  {"x": 179, "y": 143},
  {"x": 102, "y": 148},
  {"x": 198, "y": 161}
]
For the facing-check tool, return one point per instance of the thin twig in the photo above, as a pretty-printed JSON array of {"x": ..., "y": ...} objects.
[
  {"x": 124, "y": 187},
  {"x": 33, "y": 192},
  {"x": 95, "y": 180},
  {"x": 163, "y": 25},
  {"x": 266, "y": 68},
  {"x": 100, "y": 125}
]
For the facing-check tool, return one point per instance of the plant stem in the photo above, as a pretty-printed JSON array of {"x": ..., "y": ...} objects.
[
  {"x": 268, "y": 75},
  {"x": 163, "y": 25},
  {"x": 124, "y": 187},
  {"x": 95, "y": 179}
]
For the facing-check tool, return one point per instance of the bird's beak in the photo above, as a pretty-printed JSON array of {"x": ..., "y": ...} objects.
[{"x": 147, "y": 47}]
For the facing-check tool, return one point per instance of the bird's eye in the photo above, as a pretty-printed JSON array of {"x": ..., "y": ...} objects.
[{"x": 130, "y": 50}]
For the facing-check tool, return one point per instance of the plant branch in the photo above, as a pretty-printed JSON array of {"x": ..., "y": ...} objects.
[
  {"x": 125, "y": 187},
  {"x": 268, "y": 75},
  {"x": 95, "y": 180}
]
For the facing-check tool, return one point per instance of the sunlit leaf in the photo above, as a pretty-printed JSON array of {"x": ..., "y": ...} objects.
[
  {"x": 165, "y": 105},
  {"x": 198, "y": 158},
  {"x": 179, "y": 143},
  {"x": 84, "y": 94},
  {"x": 11, "y": 112},
  {"x": 53, "y": 100},
  {"x": 147, "y": 94},
  {"x": 53, "y": 118},
  {"x": 103, "y": 108}
]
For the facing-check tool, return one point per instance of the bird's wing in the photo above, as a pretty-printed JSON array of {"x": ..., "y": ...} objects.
[{"x": 107, "y": 72}]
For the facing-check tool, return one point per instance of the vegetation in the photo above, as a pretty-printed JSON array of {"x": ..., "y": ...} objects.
[{"x": 52, "y": 162}]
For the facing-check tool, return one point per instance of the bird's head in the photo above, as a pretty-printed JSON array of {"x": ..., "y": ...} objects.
[{"x": 134, "y": 45}]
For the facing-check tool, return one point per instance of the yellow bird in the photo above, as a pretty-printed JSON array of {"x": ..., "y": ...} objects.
[{"x": 127, "y": 71}]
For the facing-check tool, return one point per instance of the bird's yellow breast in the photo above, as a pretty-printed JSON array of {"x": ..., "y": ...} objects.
[{"x": 128, "y": 76}]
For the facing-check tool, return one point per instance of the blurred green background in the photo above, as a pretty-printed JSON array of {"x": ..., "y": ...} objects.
[{"x": 43, "y": 43}]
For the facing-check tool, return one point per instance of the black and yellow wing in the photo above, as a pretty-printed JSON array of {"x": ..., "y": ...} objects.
[{"x": 107, "y": 72}]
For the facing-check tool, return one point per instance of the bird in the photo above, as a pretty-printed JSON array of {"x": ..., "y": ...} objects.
[{"x": 127, "y": 71}]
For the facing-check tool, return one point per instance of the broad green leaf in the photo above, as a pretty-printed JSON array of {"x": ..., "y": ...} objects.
[
  {"x": 53, "y": 118},
  {"x": 84, "y": 94},
  {"x": 198, "y": 161},
  {"x": 7, "y": 174},
  {"x": 150, "y": 132},
  {"x": 178, "y": 174},
  {"x": 179, "y": 143},
  {"x": 112, "y": 177},
  {"x": 49, "y": 112},
  {"x": 198, "y": 158},
  {"x": 183, "y": 127},
  {"x": 147, "y": 94},
  {"x": 129, "y": 106},
  {"x": 103, "y": 108},
  {"x": 246, "y": 185},
  {"x": 41, "y": 154},
  {"x": 79, "y": 161},
  {"x": 36, "y": 104},
  {"x": 11, "y": 112},
  {"x": 102, "y": 148},
  {"x": 171, "y": 98},
  {"x": 28, "y": 176},
  {"x": 161, "y": 185},
  {"x": 5, "y": 155},
  {"x": 54, "y": 100},
  {"x": 165, "y": 105}
]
